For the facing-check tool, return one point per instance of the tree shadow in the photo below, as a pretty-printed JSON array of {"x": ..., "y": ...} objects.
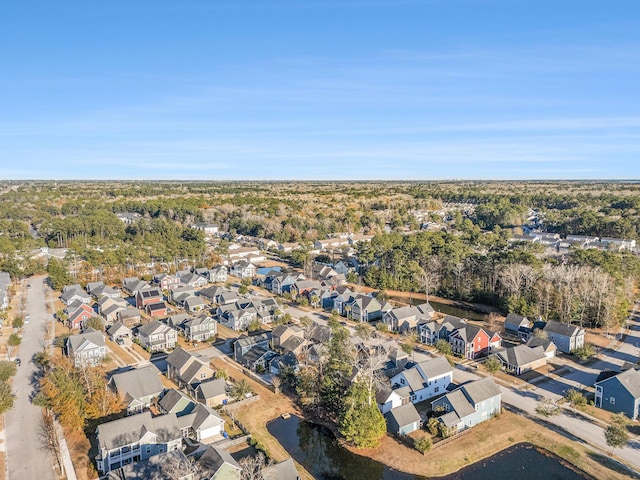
[{"x": 612, "y": 464}]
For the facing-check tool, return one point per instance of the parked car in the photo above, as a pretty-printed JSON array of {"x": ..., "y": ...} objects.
[
  {"x": 18, "y": 361},
  {"x": 27, "y": 317},
  {"x": 119, "y": 341},
  {"x": 28, "y": 286}
]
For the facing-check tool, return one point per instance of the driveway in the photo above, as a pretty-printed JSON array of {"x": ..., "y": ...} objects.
[{"x": 25, "y": 458}]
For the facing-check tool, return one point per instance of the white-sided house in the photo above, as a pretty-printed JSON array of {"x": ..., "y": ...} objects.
[
  {"x": 202, "y": 424},
  {"x": 218, "y": 274},
  {"x": 388, "y": 398},
  {"x": 243, "y": 269},
  {"x": 425, "y": 379},
  {"x": 137, "y": 438},
  {"x": 201, "y": 328},
  {"x": 86, "y": 348},
  {"x": 156, "y": 336}
]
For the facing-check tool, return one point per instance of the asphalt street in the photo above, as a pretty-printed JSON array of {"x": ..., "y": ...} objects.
[{"x": 25, "y": 458}]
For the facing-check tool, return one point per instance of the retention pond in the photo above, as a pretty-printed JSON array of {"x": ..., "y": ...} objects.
[{"x": 315, "y": 447}]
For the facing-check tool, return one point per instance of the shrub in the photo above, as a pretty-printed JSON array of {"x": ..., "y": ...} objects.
[{"x": 423, "y": 444}]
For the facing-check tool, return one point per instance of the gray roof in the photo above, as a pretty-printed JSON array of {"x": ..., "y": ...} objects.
[
  {"x": 285, "y": 470},
  {"x": 521, "y": 355},
  {"x": 180, "y": 357},
  {"x": 414, "y": 379},
  {"x": 67, "y": 296},
  {"x": 152, "y": 327},
  {"x": 213, "y": 458},
  {"x": 629, "y": 379},
  {"x": 128, "y": 430},
  {"x": 405, "y": 414},
  {"x": 435, "y": 367},
  {"x": 174, "y": 401},
  {"x": 481, "y": 390},
  {"x": 118, "y": 329},
  {"x": 213, "y": 388},
  {"x": 90, "y": 335},
  {"x": 138, "y": 382},
  {"x": 153, "y": 467},
  {"x": 460, "y": 403},
  {"x": 561, "y": 329},
  {"x": 545, "y": 343}
]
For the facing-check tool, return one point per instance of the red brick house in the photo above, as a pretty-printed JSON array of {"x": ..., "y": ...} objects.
[{"x": 473, "y": 342}]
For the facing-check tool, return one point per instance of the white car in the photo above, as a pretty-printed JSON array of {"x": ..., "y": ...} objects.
[{"x": 27, "y": 318}]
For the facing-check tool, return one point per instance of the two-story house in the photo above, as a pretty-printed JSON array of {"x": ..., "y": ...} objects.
[
  {"x": 188, "y": 369},
  {"x": 77, "y": 314},
  {"x": 86, "y": 348},
  {"x": 156, "y": 336},
  {"x": 148, "y": 296},
  {"x": 471, "y": 341},
  {"x": 425, "y": 379},
  {"x": 243, "y": 269},
  {"x": 620, "y": 393},
  {"x": 566, "y": 337},
  {"x": 472, "y": 403},
  {"x": 407, "y": 318},
  {"x": 132, "y": 439},
  {"x": 200, "y": 329},
  {"x": 166, "y": 282}
]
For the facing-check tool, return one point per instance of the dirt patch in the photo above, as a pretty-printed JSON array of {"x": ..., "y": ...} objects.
[{"x": 79, "y": 447}]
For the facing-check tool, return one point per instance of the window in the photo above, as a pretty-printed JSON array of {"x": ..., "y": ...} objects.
[
  {"x": 437, "y": 390},
  {"x": 612, "y": 400},
  {"x": 147, "y": 449}
]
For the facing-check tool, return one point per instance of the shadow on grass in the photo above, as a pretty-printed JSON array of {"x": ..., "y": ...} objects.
[{"x": 612, "y": 464}]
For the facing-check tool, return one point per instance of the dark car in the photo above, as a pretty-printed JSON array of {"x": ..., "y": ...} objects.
[
  {"x": 18, "y": 361},
  {"x": 28, "y": 285}
]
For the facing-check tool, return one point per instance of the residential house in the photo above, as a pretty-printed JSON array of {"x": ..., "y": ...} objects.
[
  {"x": 403, "y": 420},
  {"x": 207, "y": 227},
  {"x": 137, "y": 387},
  {"x": 521, "y": 358},
  {"x": 425, "y": 379},
  {"x": 194, "y": 304},
  {"x": 388, "y": 398},
  {"x": 285, "y": 470},
  {"x": 146, "y": 297},
  {"x": 106, "y": 291},
  {"x": 620, "y": 393},
  {"x": 188, "y": 369},
  {"x": 243, "y": 345},
  {"x": 472, "y": 342},
  {"x": 279, "y": 363},
  {"x": 282, "y": 283},
  {"x": 158, "y": 309},
  {"x": 212, "y": 393},
  {"x": 331, "y": 243},
  {"x": 156, "y": 336},
  {"x": 133, "y": 285},
  {"x": 365, "y": 309},
  {"x": 566, "y": 337},
  {"x": 218, "y": 464},
  {"x": 200, "y": 329},
  {"x": 133, "y": 439},
  {"x": 71, "y": 296},
  {"x": 303, "y": 287},
  {"x": 354, "y": 239},
  {"x": 283, "y": 336},
  {"x": 618, "y": 244},
  {"x": 128, "y": 217},
  {"x": 86, "y": 348},
  {"x": 174, "y": 401},
  {"x": 407, "y": 318},
  {"x": 218, "y": 274},
  {"x": 173, "y": 464},
  {"x": 516, "y": 324},
  {"x": 469, "y": 404},
  {"x": 109, "y": 307},
  {"x": 243, "y": 269},
  {"x": 119, "y": 330},
  {"x": 194, "y": 280},
  {"x": 342, "y": 268},
  {"x": 202, "y": 424},
  {"x": 178, "y": 295},
  {"x": 165, "y": 281},
  {"x": 287, "y": 247},
  {"x": 78, "y": 315},
  {"x": 548, "y": 347},
  {"x": 241, "y": 252},
  {"x": 129, "y": 317}
]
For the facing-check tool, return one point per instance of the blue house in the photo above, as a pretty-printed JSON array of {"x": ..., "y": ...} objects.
[
  {"x": 620, "y": 393},
  {"x": 468, "y": 405},
  {"x": 566, "y": 337},
  {"x": 403, "y": 420}
]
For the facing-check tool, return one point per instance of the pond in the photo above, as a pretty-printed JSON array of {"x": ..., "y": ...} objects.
[
  {"x": 314, "y": 447},
  {"x": 265, "y": 270},
  {"x": 451, "y": 309}
]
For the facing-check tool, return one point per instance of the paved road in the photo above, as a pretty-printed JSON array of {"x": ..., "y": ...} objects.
[
  {"x": 566, "y": 423},
  {"x": 25, "y": 459}
]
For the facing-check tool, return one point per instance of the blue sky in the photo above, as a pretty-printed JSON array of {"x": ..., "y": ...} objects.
[{"x": 322, "y": 89}]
